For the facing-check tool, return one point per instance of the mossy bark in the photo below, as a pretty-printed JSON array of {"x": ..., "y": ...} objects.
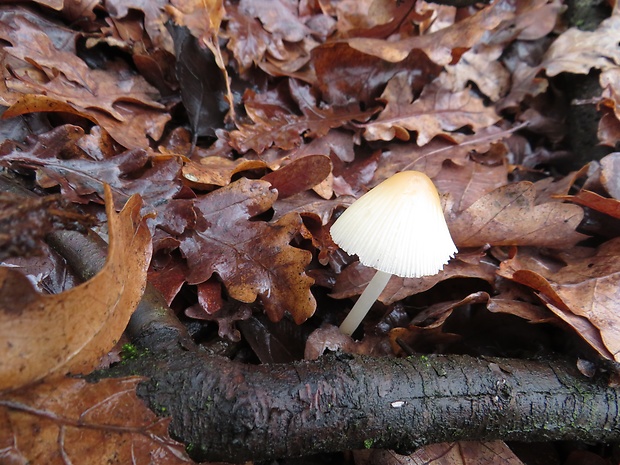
[{"x": 234, "y": 412}]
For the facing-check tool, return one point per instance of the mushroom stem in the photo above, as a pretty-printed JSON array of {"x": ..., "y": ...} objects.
[{"x": 362, "y": 306}]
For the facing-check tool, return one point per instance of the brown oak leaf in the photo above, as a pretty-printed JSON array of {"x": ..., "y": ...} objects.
[
  {"x": 252, "y": 258},
  {"x": 58, "y": 162},
  {"x": 444, "y": 46},
  {"x": 438, "y": 111},
  {"x": 80, "y": 422}
]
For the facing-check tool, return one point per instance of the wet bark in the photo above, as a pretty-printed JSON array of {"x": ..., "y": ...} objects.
[{"x": 233, "y": 412}]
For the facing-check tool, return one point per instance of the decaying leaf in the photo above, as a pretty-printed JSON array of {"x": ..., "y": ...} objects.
[
  {"x": 59, "y": 162},
  {"x": 438, "y": 111},
  {"x": 274, "y": 122},
  {"x": 509, "y": 216},
  {"x": 584, "y": 293},
  {"x": 577, "y": 51},
  {"x": 76, "y": 328},
  {"x": 444, "y": 46},
  {"x": 73, "y": 421},
  {"x": 252, "y": 258},
  {"x": 465, "y": 452},
  {"x": 24, "y": 222}
]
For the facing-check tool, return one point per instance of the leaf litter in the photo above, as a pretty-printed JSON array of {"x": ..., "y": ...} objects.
[{"x": 308, "y": 105}]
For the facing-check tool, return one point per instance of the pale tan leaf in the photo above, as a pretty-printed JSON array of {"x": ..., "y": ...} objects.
[
  {"x": 509, "y": 216},
  {"x": 69, "y": 332}
]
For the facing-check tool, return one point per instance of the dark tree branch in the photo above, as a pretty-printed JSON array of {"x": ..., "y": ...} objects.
[{"x": 233, "y": 412}]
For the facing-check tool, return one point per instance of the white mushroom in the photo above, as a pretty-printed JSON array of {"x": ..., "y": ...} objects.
[{"x": 397, "y": 228}]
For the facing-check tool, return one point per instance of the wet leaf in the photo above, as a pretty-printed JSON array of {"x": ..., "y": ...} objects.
[
  {"x": 444, "y": 46},
  {"x": 354, "y": 278},
  {"x": 275, "y": 123},
  {"x": 57, "y": 162},
  {"x": 80, "y": 422},
  {"x": 252, "y": 258},
  {"x": 77, "y": 327},
  {"x": 301, "y": 174},
  {"x": 202, "y": 97}
]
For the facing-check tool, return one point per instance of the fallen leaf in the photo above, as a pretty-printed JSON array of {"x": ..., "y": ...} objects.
[
  {"x": 467, "y": 182},
  {"x": 438, "y": 111},
  {"x": 577, "y": 51},
  {"x": 74, "y": 421},
  {"x": 610, "y": 174},
  {"x": 217, "y": 171},
  {"x": 509, "y": 216},
  {"x": 24, "y": 222},
  {"x": 77, "y": 327},
  {"x": 464, "y": 453},
  {"x": 253, "y": 258},
  {"x": 203, "y": 98},
  {"x": 430, "y": 158},
  {"x": 481, "y": 66},
  {"x": 594, "y": 201},
  {"x": 153, "y": 18},
  {"x": 444, "y": 46},
  {"x": 276, "y": 123},
  {"x": 54, "y": 156},
  {"x": 340, "y": 85},
  {"x": 299, "y": 175},
  {"x": 584, "y": 294},
  {"x": 354, "y": 278}
]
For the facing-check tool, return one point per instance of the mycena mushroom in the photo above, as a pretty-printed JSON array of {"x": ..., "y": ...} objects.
[{"x": 397, "y": 228}]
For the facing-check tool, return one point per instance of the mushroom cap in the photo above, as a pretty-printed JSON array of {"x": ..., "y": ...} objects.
[{"x": 397, "y": 227}]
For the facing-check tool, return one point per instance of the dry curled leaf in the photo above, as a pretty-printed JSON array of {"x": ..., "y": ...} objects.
[{"x": 76, "y": 328}]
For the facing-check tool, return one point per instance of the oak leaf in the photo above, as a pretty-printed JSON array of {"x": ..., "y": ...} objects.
[
  {"x": 76, "y": 328},
  {"x": 277, "y": 123},
  {"x": 299, "y": 175},
  {"x": 58, "y": 162},
  {"x": 217, "y": 171},
  {"x": 594, "y": 201},
  {"x": 444, "y": 46},
  {"x": 438, "y": 111},
  {"x": 576, "y": 51},
  {"x": 80, "y": 422},
  {"x": 252, "y": 258},
  {"x": 354, "y": 278}
]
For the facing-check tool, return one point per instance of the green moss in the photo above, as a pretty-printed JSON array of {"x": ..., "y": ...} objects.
[
  {"x": 368, "y": 443},
  {"x": 129, "y": 352}
]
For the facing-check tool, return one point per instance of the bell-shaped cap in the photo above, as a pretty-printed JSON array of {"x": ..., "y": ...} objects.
[{"x": 398, "y": 227}]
